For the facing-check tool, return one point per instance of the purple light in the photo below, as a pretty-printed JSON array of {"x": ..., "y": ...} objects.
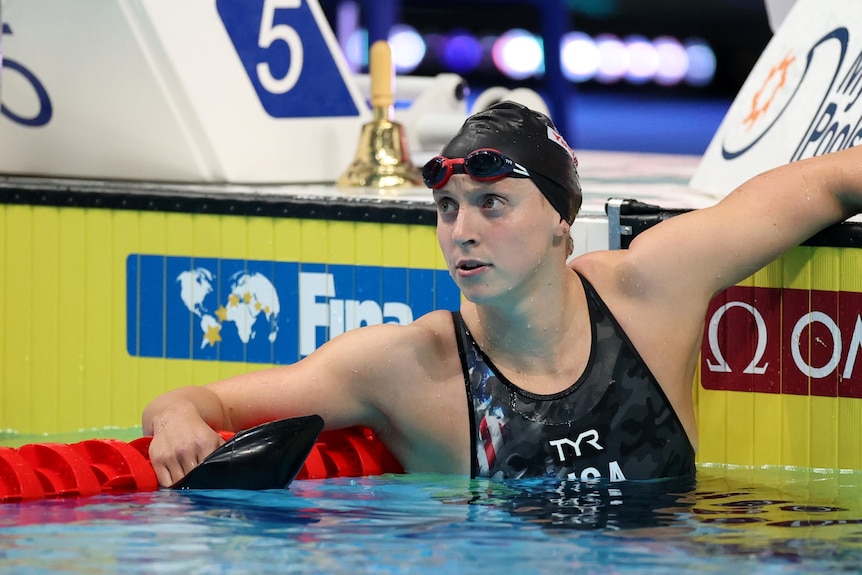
[
  {"x": 673, "y": 61},
  {"x": 613, "y": 59},
  {"x": 643, "y": 60},
  {"x": 356, "y": 49},
  {"x": 462, "y": 53},
  {"x": 701, "y": 63}
]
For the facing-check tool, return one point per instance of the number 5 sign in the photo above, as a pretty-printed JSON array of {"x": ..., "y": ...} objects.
[
  {"x": 286, "y": 58},
  {"x": 224, "y": 91}
]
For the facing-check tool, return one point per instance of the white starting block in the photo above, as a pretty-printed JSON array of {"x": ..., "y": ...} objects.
[
  {"x": 231, "y": 91},
  {"x": 158, "y": 90}
]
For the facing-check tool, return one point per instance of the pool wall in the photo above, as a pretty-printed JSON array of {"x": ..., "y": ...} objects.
[
  {"x": 792, "y": 395},
  {"x": 92, "y": 310},
  {"x": 112, "y": 293},
  {"x": 779, "y": 380}
]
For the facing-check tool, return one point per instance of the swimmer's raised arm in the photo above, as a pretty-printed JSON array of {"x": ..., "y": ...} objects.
[
  {"x": 357, "y": 378},
  {"x": 697, "y": 254},
  {"x": 660, "y": 288}
]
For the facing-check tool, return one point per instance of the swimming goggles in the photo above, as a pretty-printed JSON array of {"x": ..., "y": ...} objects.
[{"x": 484, "y": 165}]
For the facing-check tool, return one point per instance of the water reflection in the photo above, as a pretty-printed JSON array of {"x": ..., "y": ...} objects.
[
  {"x": 761, "y": 514},
  {"x": 599, "y": 504},
  {"x": 799, "y": 520}
]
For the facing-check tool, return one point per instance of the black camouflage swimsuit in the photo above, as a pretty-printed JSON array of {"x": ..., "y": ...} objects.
[{"x": 615, "y": 422}]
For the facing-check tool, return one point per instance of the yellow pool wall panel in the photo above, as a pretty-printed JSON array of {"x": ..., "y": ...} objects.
[
  {"x": 65, "y": 365},
  {"x": 63, "y": 358},
  {"x": 789, "y": 429}
]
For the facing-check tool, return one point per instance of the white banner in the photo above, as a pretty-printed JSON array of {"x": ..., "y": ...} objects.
[
  {"x": 802, "y": 98},
  {"x": 239, "y": 91}
]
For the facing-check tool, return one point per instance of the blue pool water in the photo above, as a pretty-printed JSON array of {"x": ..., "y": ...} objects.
[{"x": 731, "y": 521}]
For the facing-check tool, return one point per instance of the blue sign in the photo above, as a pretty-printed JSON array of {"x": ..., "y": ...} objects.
[
  {"x": 264, "y": 311},
  {"x": 286, "y": 57}
]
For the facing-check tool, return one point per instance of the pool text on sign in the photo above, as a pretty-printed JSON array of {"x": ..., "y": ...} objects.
[
  {"x": 776, "y": 340},
  {"x": 835, "y": 124}
]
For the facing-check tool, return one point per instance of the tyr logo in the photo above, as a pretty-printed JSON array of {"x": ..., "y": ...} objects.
[{"x": 591, "y": 437}]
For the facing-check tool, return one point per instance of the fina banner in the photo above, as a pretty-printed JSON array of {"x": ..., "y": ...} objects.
[
  {"x": 220, "y": 309},
  {"x": 230, "y": 91},
  {"x": 802, "y": 98}
]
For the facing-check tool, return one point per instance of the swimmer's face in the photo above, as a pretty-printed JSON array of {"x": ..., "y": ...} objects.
[{"x": 497, "y": 238}]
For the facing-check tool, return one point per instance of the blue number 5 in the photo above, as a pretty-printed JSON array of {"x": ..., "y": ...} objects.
[{"x": 271, "y": 32}]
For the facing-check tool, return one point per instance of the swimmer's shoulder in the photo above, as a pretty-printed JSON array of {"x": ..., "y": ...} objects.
[
  {"x": 609, "y": 271},
  {"x": 424, "y": 343},
  {"x": 432, "y": 335},
  {"x": 620, "y": 275}
]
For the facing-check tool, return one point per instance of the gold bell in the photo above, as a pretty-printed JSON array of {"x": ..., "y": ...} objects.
[{"x": 383, "y": 159}]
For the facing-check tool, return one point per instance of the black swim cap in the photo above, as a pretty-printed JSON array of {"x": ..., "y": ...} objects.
[{"x": 531, "y": 139}]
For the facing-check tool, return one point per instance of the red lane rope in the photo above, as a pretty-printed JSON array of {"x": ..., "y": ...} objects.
[{"x": 44, "y": 470}]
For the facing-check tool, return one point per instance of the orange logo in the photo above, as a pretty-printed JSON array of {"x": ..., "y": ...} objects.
[{"x": 764, "y": 97}]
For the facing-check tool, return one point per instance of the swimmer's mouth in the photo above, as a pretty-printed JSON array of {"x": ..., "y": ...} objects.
[{"x": 468, "y": 266}]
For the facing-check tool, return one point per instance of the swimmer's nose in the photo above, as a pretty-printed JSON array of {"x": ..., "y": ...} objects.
[{"x": 464, "y": 230}]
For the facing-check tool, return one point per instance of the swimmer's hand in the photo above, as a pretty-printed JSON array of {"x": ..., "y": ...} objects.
[
  {"x": 181, "y": 441},
  {"x": 268, "y": 456}
]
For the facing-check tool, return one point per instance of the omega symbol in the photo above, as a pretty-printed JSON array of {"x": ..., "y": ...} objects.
[{"x": 721, "y": 364}]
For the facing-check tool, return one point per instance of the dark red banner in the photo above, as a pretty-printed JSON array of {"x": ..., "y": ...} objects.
[{"x": 777, "y": 340}]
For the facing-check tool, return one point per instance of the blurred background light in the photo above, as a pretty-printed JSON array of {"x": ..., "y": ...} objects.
[
  {"x": 408, "y": 48},
  {"x": 579, "y": 57},
  {"x": 462, "y": 53},
  {"x": 518, "y": 54},
  {"x": 673, "y": 61},
  {"x": 643, "y": 60},
  {"x": 701, "y": 63},
  {"x": 355, "y": 48},
  {"x": 613, "y": 58}
]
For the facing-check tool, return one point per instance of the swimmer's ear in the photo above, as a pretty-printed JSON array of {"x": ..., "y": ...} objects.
[
  {"x": 563, "y": 228},
  {"x": 268, "y": 456}
]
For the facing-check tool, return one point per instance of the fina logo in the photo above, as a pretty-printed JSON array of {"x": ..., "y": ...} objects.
[
  {"x": 263, "y": 311},
  {"x": 819, "y": 82},
  {"x": 287, "y": 59}
]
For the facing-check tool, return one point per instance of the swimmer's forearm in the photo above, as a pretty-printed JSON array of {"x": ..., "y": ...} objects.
[{"x": 192, "y": 401}]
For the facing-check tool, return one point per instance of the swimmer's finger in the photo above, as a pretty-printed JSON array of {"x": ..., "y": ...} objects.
[
  {"x": 171, "y": 468},
  {"x": 188, "y": 466},
  {"x": 189, "y": 461},
  {"x": 166, "y": 474},
  {"x": 180, "y": 461}
]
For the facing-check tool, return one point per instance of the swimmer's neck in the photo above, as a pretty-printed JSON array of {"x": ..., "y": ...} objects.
[{"x": 537, "y": 326}]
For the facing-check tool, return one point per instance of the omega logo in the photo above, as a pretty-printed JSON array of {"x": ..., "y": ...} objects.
[
  {"x": 789, "y": 341},
  {"x": 720, "y": 364}
]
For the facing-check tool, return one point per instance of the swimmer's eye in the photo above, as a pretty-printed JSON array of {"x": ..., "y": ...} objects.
[
  {"x": 445, "y": 205},
  {"x": 492, "y": 202}
]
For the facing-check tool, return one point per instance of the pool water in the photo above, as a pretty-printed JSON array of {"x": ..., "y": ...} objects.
[{"x": 730, "y": 521}]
